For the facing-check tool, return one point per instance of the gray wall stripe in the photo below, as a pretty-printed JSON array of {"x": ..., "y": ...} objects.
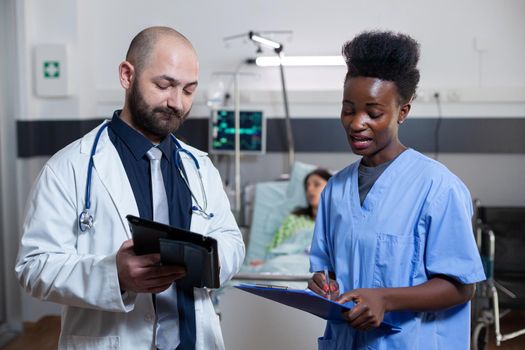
[{"x": 457, "y": 135}]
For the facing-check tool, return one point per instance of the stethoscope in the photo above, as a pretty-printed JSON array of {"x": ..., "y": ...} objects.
[{"x": 86, "y": 218}]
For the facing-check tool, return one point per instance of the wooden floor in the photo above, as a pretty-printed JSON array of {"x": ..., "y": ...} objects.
[{"x": 43, "y": 335}]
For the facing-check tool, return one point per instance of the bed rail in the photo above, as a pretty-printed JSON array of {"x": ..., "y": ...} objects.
[{"x": 268, "y": 276}]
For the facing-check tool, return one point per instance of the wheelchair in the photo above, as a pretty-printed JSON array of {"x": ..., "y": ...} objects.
[{"x": 500, "y": 236}]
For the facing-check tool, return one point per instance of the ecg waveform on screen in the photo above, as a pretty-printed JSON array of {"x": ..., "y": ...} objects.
[{"x": 251, "y": 131}]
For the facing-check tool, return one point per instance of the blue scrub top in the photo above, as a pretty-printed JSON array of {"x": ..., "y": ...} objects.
[{"x": 415, "y": 223}]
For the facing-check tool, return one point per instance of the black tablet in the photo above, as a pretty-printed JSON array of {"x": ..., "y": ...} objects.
[{"x": 177, "y": 246}]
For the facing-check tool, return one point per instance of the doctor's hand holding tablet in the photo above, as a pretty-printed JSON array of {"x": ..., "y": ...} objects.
[{"x": 144, "y": 273}]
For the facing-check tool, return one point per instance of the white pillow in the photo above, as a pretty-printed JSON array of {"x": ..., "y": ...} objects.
[
  {"x": 274, "y": 201},
  {"x": 295, "y": 193}
]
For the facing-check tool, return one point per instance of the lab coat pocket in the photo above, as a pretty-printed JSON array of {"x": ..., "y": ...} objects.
[
  {"x": 393, "y": 260},
  {"x": 78, "y": 342}
]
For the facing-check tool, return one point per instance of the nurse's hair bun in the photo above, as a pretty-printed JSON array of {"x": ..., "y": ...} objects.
[{"x": 385, "y": 55}]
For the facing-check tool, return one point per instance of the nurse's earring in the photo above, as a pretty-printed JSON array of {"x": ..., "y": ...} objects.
[{"x": 399, "y": 122}]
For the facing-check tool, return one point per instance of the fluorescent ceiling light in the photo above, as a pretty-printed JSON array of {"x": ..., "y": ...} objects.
[
  {"x": 300, "y": 61},
  {"x": 264, "y": 41}
]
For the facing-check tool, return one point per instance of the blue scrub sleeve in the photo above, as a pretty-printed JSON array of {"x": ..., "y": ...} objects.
[
  {"x": 450, "y": 248},
  {"x": 319, "y": 252}
]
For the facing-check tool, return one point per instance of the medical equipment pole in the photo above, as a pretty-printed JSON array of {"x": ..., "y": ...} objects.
[
  {"x": 237, "y": 100},
  {"x": 278, "y": 48},
  {"x": 236, "y": 206},
  {"x": 289, "y": 134}
]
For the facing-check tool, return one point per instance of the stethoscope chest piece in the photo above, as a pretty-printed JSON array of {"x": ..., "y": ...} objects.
[{"x": 85, "y": 221}]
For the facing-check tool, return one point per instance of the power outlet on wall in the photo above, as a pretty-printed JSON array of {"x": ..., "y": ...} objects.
[{"x": 453, "y": 95}]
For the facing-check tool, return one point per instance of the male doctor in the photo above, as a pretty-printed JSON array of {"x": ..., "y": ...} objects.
[{"x": 112, "y": 298}]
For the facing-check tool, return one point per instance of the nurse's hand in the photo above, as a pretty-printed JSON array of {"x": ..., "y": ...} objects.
[
  {"x": 144, "y": 274},
  {"x": 318, "y": 285},
  {"x": 369, "y": 309}
]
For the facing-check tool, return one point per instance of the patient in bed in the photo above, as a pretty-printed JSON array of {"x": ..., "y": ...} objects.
[{"x": 293, "y": 238}]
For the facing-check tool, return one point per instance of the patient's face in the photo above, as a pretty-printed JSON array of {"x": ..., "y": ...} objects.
[{"x": 314, "y": 186}]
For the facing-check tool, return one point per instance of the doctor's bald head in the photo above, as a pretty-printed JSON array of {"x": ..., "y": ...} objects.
[{"x": 143, "y": 44}]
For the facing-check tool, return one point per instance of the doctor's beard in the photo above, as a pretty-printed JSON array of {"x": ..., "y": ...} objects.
[{"x": 156, "y": 121}]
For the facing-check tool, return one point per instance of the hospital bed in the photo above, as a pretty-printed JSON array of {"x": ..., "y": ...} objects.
[
  {"x": 270, "y": 203},
  {"x": 248, "y": 321},
  {"x": 500, "y": 235}
]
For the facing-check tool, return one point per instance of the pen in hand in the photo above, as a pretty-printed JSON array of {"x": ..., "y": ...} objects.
[{"x": 327, "y": 281}]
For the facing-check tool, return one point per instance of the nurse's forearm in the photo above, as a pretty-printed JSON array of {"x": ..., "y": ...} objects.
[{"x": 436, "y": 294}]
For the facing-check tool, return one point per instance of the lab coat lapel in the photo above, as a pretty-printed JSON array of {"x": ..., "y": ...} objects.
[{"x": 110, "y": 171}]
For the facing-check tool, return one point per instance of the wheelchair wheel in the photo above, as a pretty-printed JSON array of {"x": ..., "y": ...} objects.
[{"x": 480, "y": 336}]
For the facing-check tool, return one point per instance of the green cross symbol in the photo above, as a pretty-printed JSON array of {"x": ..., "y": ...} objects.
[{"x": 51, "y": 69}]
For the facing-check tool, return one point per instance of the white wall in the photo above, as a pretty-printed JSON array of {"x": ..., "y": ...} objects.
[
  {"x": 485, "y": 79},
  {"x": 99, "y": 32}
]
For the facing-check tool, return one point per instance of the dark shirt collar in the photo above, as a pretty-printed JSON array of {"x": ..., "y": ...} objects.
[{"x": 135, "y": 141}]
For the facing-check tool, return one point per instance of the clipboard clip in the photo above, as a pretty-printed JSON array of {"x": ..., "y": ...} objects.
[{"x": 272, "y": 286}]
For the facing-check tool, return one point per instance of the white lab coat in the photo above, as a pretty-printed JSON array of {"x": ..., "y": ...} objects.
[{"x": 59, "y": 263}]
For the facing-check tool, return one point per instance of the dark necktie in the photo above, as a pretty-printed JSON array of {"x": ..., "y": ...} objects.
[{"x": 170, "y": 314}]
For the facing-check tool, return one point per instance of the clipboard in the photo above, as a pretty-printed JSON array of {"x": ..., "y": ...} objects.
[
  {"x": 306, "y": 300},
  {"x": 198, "y": 253}
]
